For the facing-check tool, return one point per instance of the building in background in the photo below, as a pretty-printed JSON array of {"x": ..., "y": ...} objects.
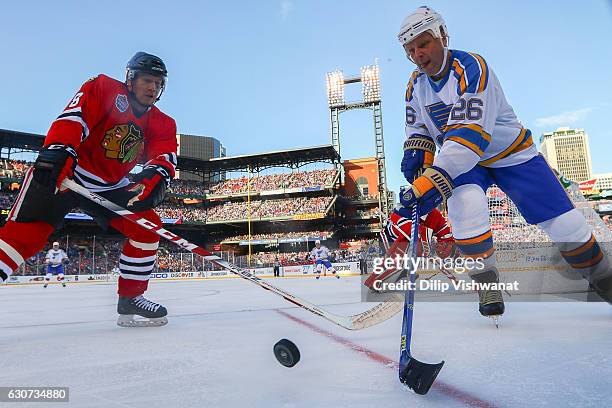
[
  {"x": 199, "y": 147},
  {"x": 603, "y": 181},
  {"x": 567, "y": 150}
]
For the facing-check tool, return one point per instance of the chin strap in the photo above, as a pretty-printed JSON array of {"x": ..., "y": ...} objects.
[{"x": 443, "y": 62}]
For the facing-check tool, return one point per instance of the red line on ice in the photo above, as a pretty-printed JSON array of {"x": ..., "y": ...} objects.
[{"x": 440, "y": 386}]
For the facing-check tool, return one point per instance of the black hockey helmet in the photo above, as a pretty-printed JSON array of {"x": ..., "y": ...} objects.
[{"x": 142, "y": 62}]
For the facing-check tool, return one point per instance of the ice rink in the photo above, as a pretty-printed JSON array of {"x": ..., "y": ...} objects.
[{"x": 216, "y": 350}]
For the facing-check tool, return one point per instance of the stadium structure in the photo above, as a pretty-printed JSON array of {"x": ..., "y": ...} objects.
[
  {"x": 263, "y": 215},
  {"x": 272, "y": 208}
]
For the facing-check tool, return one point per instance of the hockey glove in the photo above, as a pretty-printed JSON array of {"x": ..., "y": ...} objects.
[
  {"x": 446, "y": 249},
  {"x": 419, "y": 153},
  {"x": 149, "y": 189},
  {"x": 53, "y": 164},
  {"x": 427, "y": 191}
]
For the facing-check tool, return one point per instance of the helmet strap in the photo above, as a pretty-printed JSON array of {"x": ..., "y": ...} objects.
[{"x": 444, "y": 61}]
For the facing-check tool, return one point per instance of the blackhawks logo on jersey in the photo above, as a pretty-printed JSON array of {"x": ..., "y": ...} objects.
[{"x": 123, "y": 142}]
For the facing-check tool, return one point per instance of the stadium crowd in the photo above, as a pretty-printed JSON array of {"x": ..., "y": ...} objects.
[
  {"x": 275, "y": 182},
  {"x": 13, "y": 168},
  {"x": 187, "y": 188},
  {"x": 281, "y": 235},
  {"x": 268, "y": 208}
]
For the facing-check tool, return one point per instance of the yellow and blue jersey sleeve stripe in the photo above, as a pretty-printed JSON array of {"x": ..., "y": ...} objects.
[
  {"x": 484, "y": 73},
  {"x": 470, "y": 135},
  {"x": 471, "y": 71},
  {"x": 459, "y": 73},
  {"x": 411, "y": 84},
  {"x": 522, "y": 142}
]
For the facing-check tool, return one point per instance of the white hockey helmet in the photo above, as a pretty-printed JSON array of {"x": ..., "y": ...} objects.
[
  {"x": 56, "y": 243},
  {"x": 419, "y": 21},
  {"x": 317, "y": 242}
]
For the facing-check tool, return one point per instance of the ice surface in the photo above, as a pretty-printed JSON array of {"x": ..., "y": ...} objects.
[{"x": 216, "y": 350}]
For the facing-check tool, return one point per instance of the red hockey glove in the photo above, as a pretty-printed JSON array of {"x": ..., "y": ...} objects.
[
  {"x": 446, "y": 249},
  {"x": 149, "y": 190}
]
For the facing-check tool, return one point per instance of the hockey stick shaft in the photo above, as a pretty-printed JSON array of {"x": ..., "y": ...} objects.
[
  {"x": 418, "y": 376},
  {"x": 373, "y": 316},
  {"x": 409, "y": 296}
]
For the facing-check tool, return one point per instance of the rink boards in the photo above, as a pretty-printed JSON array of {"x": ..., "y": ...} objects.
[{"x": 342, "y": 268}]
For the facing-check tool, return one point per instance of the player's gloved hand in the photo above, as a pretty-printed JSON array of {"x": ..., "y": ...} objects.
[
  {"x": 149, "y": 189},
  {"x": 53, "y": 164},
  {"x": 419, "y": 151},
  {"x": 446, "y": 249},
  {"x": 427, "y": 191}
]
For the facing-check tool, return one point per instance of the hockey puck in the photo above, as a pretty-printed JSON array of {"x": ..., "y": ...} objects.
[{"x": 286, "y": 353}]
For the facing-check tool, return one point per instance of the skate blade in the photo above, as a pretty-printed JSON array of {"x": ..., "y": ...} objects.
[
  {"x": 495, "y": 319},
  {"x": 130, "y": 321}
]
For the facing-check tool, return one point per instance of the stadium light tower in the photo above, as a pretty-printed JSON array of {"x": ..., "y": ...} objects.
[{"x": 370, "y": 90}]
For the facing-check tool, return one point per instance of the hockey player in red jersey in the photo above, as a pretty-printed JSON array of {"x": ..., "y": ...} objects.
[
  {"x": 106, "y": 129},
  {"x": 397, "y": 235}
]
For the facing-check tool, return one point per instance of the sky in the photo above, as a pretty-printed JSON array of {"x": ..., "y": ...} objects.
[{"x": 252, "y": 74}]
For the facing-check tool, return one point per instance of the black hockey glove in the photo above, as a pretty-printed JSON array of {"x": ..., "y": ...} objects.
[
  {"x": 53, "y": 164},
  {"x": 149, "y": 189}
]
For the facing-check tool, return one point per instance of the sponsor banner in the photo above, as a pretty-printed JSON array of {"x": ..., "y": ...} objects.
[
  {"x": 262, "y": 271},
  {"x": 309, "y": 216},
  {"x": 176, "y": 275},
  {"x": 170, "y": 220},
  {"x": 85, "y": 217},
  {"x": 257, "y": 242},
  {"x": 606, "y": 194},
  {"x": 588, "y": 187},
  {"x": 290, "y": 240},
  {"x": 294, "y": 270},
  {"x": 605, "y": 208},
  {"x": 20, "y": 279},
  {"x": 316, "y": 188},
  {"x": 280, "y": 240},
  {"x": 216, "y": 247},
  {"x": 340, "y": 267},
  {"x": 217, "y": 274}
]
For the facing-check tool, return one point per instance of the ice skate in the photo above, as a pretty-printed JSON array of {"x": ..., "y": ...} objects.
[
  {"x": 491, "y": 304},
  {"x": 128, "y": 308},
  {"x": 46, "y": 284}
]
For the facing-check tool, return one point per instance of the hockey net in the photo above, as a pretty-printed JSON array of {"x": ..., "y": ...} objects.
[
  {"x": 509, "y": 226},
  {"x": 524, "y": 253}
]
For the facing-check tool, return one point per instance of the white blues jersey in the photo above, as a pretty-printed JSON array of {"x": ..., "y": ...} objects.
[
  {"x": 320, "y": 254},
  {"x": 56, "y": 256},
  {"x": 467, "y": 115}
]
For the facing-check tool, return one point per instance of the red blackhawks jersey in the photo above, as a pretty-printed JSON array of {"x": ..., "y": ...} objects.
[
  {"x": 432, "y": 225},
  {"x": 110, "y": 139}
]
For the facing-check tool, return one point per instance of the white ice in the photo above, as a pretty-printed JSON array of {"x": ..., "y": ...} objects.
[{"x": 216, "y": 350}]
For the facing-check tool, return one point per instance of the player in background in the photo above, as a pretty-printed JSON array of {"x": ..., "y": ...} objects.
[
  {"x": 107, "y": 128},
  {"x": 396, "y": 238},
  {"x": 455, "y": 102},
  {"x": 321, "y": 255},
  {"x": 54, "y": 260}
]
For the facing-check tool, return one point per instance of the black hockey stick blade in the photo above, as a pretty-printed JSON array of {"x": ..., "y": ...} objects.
[{"x": 419, "y": 376}]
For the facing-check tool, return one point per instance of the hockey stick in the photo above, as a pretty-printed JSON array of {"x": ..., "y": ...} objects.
[
  {"x": 418, "y": 376},
  {"x": 370, "y": 317}
]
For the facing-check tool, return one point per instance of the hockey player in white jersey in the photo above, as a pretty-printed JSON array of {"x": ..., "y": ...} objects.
[
  {"x": 455, "y": 102},
  {"x": 321, "y": 255},
  {"x": 54, "y": 260}
]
